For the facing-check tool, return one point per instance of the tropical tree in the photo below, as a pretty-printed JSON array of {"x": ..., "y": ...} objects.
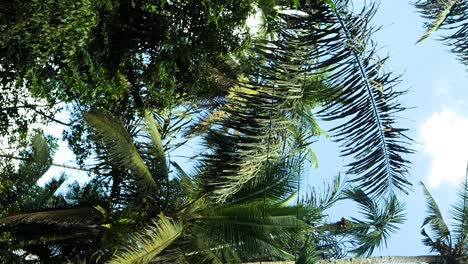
[
  {"x": 234, "y": 206},
  {"x": 32, "y": 215},
  {"x": 99, "y": 52},
  {"x": 452, "y": 246}
]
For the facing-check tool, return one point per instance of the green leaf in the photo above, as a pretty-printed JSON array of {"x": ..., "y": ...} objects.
[
  {"x": 459, "y": 212},
  {"x": 378, "y": 224},
  {"x": 149, "y": 243},
  {"x": 151, "y": 128},
  {"x": 434, "y": 218},
  {"x": 444, "y": 9},
  {"x": 331, "y": 4},
  {"x": 120, "y": 146}
]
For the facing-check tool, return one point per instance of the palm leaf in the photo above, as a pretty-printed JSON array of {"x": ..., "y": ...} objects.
[
  {"x": 37, "y": 162},
  {"x": 277, "y": 181},
  {"x": 335, "y": 45},
  {"x": 253, "y": 229},
  {"x": 308, "y": 253},
  {"x": 329, "y": 195},
  {"x": 44, "y": 197},
  {"x": 188, "y": 183},
  {"x": 427, "y": 240},
  {"x": 157, "y": 148},
  {"x": 378, "y": 224},
  {"x": 251, "y": 136},
  {"x": 441, "y": 10},
  {"x": 434, "y": 218},
  {"x": 85, "y": 216},
  {"x": 150, "y": 242},
  {"x": 120, "y": 146},
  {"x": 459, "y": 214},
  {"x": 364, "y": 94},
  {"x": 451, "y": 15}
]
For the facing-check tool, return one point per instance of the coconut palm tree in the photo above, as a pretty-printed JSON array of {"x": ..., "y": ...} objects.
[{"x": 450, "y": 244}]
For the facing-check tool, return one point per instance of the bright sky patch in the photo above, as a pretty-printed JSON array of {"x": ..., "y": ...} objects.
[{"x": 445, "y": 139}]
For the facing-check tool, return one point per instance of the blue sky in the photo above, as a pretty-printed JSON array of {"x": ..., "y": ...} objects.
[{"x": 438, "y": 123}]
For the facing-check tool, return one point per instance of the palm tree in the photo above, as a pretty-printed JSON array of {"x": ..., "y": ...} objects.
[
  {"x": 201, "y": 229},
  {"x": 234, "y": 206},
  {"x": 452, "y": 246},
  {"x": 32, "y": 216}
]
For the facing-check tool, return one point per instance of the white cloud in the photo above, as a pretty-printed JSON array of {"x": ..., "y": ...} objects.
[{"x": 445, "y": 138}]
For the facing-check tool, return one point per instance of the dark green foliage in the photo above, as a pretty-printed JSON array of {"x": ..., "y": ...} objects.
[
  {"x": 364, "y": 95},
  {"x": 452, "y": 17},
  {"x": 102, "y": 53},
  {"x": 138, "y": 71},
  {"x": 436, "y": 233},
  {"x": 358, "y": 236},
  {"x": 379, "y": 223}
]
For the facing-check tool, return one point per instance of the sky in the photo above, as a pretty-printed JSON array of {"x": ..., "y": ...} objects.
[{"x": 438, "y": 123}]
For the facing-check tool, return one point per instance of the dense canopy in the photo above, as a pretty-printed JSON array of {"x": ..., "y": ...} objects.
[{"x": 141, "y": 79}]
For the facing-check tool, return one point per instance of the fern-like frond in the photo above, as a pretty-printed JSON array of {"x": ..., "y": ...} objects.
[
  {"x": 149, "y": 243},
  {"x": 434, "y": 219},
  {"x": 120, "y": 146},
  {"x": 278, "y": 180},
  {"x": 378, "y": 224},
  {"x": 37, "y": 162},
  {"x": 251, "y": 136},
  {"x": 253, "y": 229},
  {"x": 364, "y": 95},
  {"x": 437, "y": 12},
  {"x": 427, "y": 240},
  {"x": 459, "y": 214},
  {"x": 452, "y": 16},
  {"x": 328, "y": 196},
  {"x": 151, "y": 128},
  {"x": 65, "y": 217}
]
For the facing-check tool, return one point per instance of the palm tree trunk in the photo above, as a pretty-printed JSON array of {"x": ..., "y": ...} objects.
[{"x": 372, "y": 260}]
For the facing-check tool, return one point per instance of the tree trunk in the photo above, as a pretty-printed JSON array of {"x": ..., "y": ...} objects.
[{"x": 371, "y": 260}]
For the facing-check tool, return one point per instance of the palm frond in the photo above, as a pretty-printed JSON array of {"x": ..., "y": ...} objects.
[
  {"x": 278, "y": 180},
  {"x": 45, "y": 196},
  {"x": 150, "y": 242},
  {"x": 258, "y": 116},
  {"x": 329, "y": 195},
  {"x": 434, "y": 218},
  {"x": 365, "y": 96},
  {"x": 378, "y": 224},
  {"x": 187, "y": 182},
  {"x": 308, "y": 253},
  {"x": 450, "y": 15},
  {"x": 64, "y": 217},
  {"x": 151, "y": 128},
  {"x": 120, "y": 146},
  {"x": 37, "y": 162},
  {"x": 459, "y": 214},
  {"x": 427, "y": 240},
  {"x": 253, "y": 228},
  {"x": 437, "y": 12}
]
